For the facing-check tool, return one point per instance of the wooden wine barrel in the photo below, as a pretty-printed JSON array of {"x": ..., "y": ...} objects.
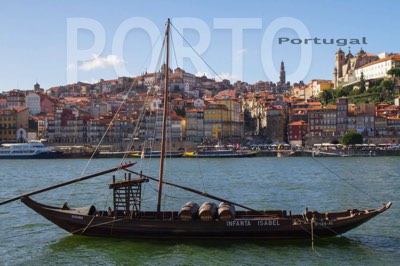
[
  {"x": 208, "y": 211},
  {"x": 226, "y": 211},
  {"x": 188, "y": 211}
]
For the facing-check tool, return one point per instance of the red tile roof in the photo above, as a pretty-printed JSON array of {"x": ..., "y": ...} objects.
[
  {"x": 297, "y": 123},
  {"x": 394, "y": 57}
]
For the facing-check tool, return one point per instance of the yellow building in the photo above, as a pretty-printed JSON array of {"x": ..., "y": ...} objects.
[
  {"x": 8, "y": 124},
  {"x": 12, "y": 119},
  {"x": 234, "y": 121},
  {"x": 195, "y": 125},
  {"x": 221, "y": 120},
  {"x": 216, "y": 117}
]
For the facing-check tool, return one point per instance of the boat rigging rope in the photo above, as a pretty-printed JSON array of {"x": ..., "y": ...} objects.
[
  {"x": 90, "y": 226},
  {"x": 201, "y": 175},
  {"x": 142, "y": 165},
  {"x": 196, "y": 52},
  {"x": 145, "y": 102},
  {"x": 165, "y": 194},
  {"x": 336, "y": 233},
  {"x": 312, "y": 233},
  {"x": 83, "y": 231},
  {"x": 173, "y": 47},
  {"x": 136, "y": 129},
  {"x": 350, "y": 184},
  {"x": 320, "y": 238},
  {"x": 312, "y": 238},
  {"x": 116, "y": 115}
]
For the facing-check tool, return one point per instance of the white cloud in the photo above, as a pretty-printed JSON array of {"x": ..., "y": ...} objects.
[
  {"x": 224, "y": 75},
  {"x": 101, "y": 62},
  {"x": 241, "y": 51},
  {"x": 229, "y": 76},
  {"x": 91, "y": 81},
  {"x": 199, "y": 74},
  {"x": 71, "y": 67}
]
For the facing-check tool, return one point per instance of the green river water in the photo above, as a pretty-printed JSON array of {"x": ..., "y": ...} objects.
[{"x": 261, "y": 183}]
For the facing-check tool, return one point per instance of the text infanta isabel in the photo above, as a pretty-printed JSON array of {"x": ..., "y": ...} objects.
[{"x": 338, "y": 42}]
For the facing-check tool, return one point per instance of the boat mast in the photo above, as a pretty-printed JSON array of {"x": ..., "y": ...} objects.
[{"x": 164, "y": 123}]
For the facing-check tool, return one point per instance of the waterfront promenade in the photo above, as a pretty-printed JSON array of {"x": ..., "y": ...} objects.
[{"x": 109, "y": 151}]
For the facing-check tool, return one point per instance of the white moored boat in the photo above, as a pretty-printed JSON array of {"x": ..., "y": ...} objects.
[{"x": 31, "y": 150}]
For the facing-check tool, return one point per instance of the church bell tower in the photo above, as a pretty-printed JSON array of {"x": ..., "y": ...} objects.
[{"x": 282, "y": 76}]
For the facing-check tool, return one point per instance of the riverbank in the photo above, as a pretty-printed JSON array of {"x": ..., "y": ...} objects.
[
  {"x": 108, "y": 151},
  {"x": 328, "y": 153},
  {"x": 290, "y": 153}
]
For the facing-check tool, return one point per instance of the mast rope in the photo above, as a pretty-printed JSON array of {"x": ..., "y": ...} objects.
[
  {"x": 165, "y": 194},
  {"x": 173, "y": 48},
  {"x": 333, "y": 231},
  {"x": 106, "y": 194},
  {"x": 196, "y": 52},
  {"x": 350, "y": 184},
  {"x": 312, "y": 238},
  {"x": 111, "y": 123},
  {"x": 204, "y": 194},
  {"x": 90, "y": 222},
  {"x": 201, "y": 175},
  {"x": 116, "y": 115},
  {"x": 150, "y": 91},
  {"x": 112, "y": 221}
]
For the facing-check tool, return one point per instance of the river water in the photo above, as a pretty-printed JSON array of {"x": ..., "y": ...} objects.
[{"x": 322, "y": 184}]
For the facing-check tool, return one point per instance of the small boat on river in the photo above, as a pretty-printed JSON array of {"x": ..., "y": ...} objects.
[
  {"x": 218, "y": 151},
  {"x": 30, "y": 150},
  {"x": 148, "y": 153}
]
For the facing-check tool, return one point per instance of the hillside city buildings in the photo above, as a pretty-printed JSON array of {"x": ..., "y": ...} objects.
[{"x": 203, "y": 110}]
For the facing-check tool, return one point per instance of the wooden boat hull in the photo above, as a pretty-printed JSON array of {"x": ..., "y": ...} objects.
[{"x": 93, "y": 223}]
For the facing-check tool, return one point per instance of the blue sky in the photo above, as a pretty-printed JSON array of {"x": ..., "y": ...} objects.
[{"x": 56, "y": 42}]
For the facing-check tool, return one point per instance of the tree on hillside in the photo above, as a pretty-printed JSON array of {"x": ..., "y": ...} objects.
[
  {"x": 387, "y": 88},
  {"x": 326, "y": 95},
  {"x": 343, "y": 91},
  {"x": 362, "y": 83},
  {"x": 352, "y": 138},
  {"x": 374, "y": 89},
  {"x": 354, "y": 92},
  {"x": 395, "y": 72},
  {"x": 180, "y": 111}
]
